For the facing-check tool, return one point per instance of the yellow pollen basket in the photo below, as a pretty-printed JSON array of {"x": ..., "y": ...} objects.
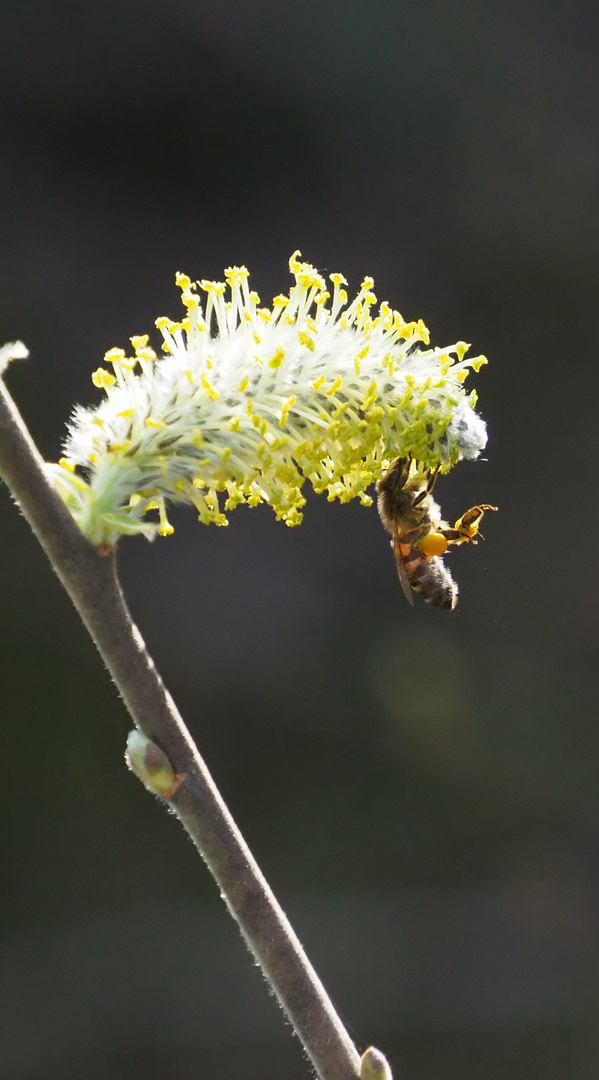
[{"x": 433, "y": 544}]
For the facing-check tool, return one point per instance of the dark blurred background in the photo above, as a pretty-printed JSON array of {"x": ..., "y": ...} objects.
[{"x": 422, "y": 790}]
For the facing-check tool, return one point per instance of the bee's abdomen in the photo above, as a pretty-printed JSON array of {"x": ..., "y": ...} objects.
[{"x": 430, "y": 578}]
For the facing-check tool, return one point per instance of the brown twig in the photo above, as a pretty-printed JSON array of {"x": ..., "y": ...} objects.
[{"x": 90, "y": 579}]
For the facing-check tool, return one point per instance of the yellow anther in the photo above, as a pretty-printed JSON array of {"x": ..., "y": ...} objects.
[
  {"x": 478, "y": 363},
  {"x": 103, "y": 379},
  {"x": 306, "y": 340},
  {"x": 190, "y": 300},
  {"x": 310, "y": 278},
  {"x": 236, "y": 273},
  {"x": 119, "y": 448},
  {"x": 280, "y": 301},
  {"x": 216, "y": 288},
  {"x": 287, "y": 405},
  {"x": 182, "y": 281},
  {"x": 423, "y": 332},
  {"x": 260, "y": 423},
  {"x": 368, "y": 283},
  {"x": 126, "y": 413},
  {"x": 165, "y": 528},
  {"x": 114, "y": 356},
  {"x": 235, "y": 496},
  {"x": 213, "y": 394},
  {"x": 277, "y": 358},
  {"x": 335, "y": 386},
  {"x": 337, "y": 279},
  {"x": 139, "y": 341},
  {"x": 146, "y": 353},
  {"x": 66, "y": 464},
  {"x": 279, "y": 442},
  {"x": 151, "y": 423},
  {"x": 370, "y": 396},
  {"x": 234, "y": 423},
  {"x": 318, "y": 382},
  {"x": 243, "y": 385}
]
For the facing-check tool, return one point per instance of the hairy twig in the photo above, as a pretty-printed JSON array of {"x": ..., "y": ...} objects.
[{"x": 90, "y": 578}]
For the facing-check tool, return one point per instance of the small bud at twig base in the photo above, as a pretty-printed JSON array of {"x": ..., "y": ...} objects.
[{"x": 374, "y": 1065}]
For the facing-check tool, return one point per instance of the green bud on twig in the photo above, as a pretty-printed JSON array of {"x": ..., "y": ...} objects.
[{"x": 151, "y": 765}]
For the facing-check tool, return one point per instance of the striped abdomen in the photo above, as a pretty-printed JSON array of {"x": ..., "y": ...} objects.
[{"x": 430, "y": 578}]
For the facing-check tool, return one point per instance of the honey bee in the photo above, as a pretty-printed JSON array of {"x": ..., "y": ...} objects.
[{"x": 419, "y": 536}]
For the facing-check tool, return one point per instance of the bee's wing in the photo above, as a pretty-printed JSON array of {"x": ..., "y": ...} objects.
[{"x": 401, "y": 569}]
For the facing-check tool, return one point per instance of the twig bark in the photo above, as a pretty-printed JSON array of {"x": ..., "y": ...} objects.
[{"x": 91, "y": 581}]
